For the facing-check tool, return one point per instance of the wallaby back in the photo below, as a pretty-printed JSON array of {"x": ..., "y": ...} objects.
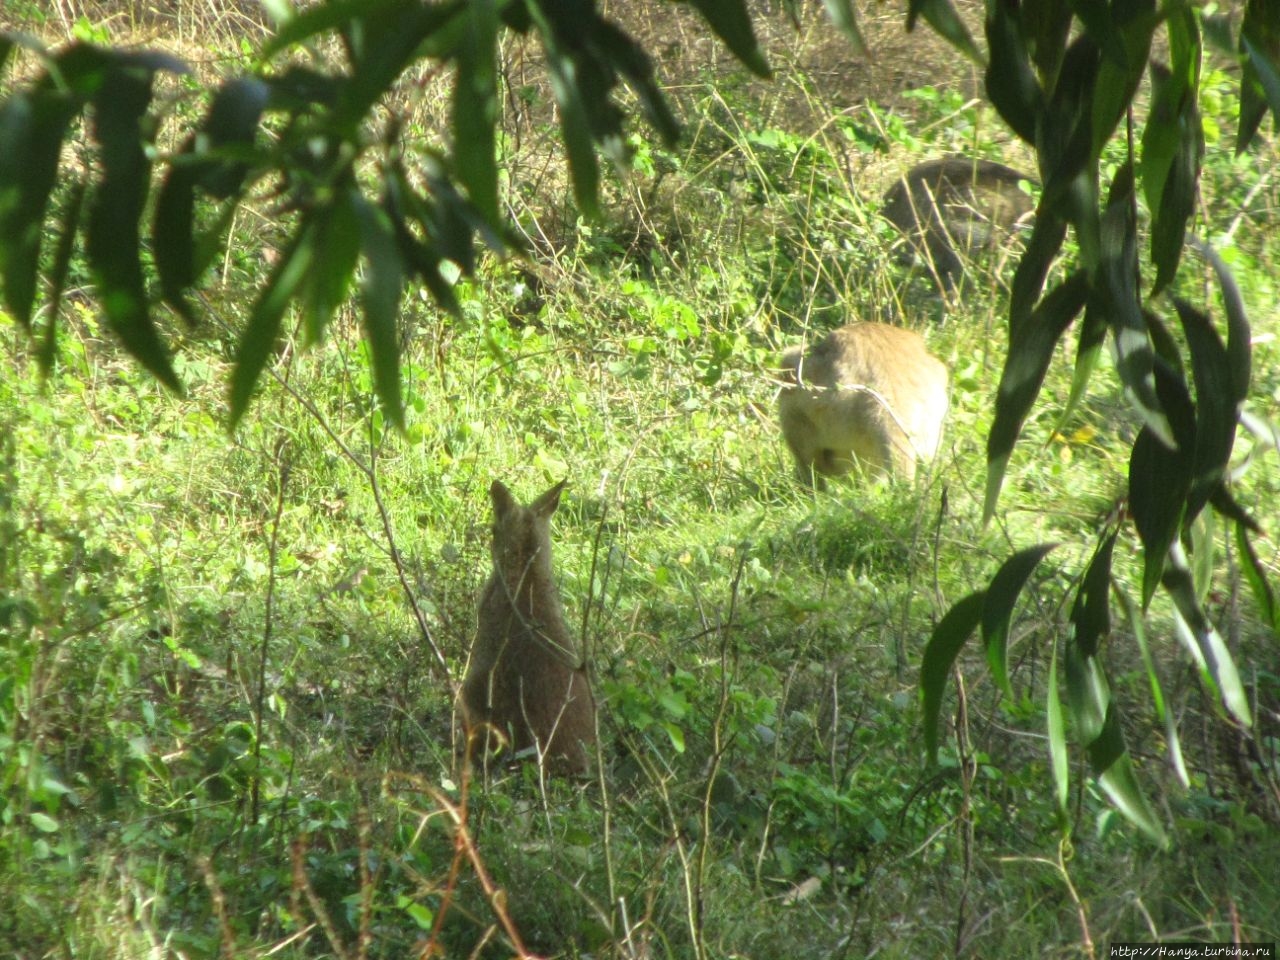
[
  {"x": 954, "y": 206},
  {"x": 525, "y": 677},
  {"x": 869, "y": 395}
]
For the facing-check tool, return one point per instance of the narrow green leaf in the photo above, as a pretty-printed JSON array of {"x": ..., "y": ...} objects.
[
  {"x": 1049, "y": 23},
  {"x": 1088, "y": 693},
  {"x": 1047, "y": 235},
  {"x": 1056, "y": 727},
  {"x": 263, "y": 329},
  {"x": 44, "y": 823},
  {"x": 325, "y": 18},
  {"x": 337, "y": 247},
  {"x": 1117, "y": 299},
  {"x": 1260, "y": 74},
  {"x": 1200, "y": 535},
  {"x": 1239, "y": 335},
  {"x": 940, "y": 654},
  {"x": 630, "y": 59},
  {"x": 997, "y": 610},
  {"x": 1031, "y": 347},
  {"x": 1064, "y": 137},
  {"x": 1093, "y": 334},
  {"x": 1136, "y": 626},
  {"x": 113, "y": 240},
  {"x": 1255, "y": 575},
  {"x": 380, "y": 293},
  {"x": 732, "y": 24},
  {"x": 1091, "y": 612},
  {"x": 1159, "y": 480},
  {"x": 1216, "y": 408},
  {"x": 173, "y": 234},
  {"x": 1109, "y": 759},
  {"x": 32, "y": 128},
  {"x": 1011, "y": 84},
  {"x": 942, "y": 16},
  {"x": 58, "y": 275},
  {"x": 227, "y": 135},
  {"x": 575, "y": 129},
  {"x": 1202, "y": 638},
  {"x": 475, "y": 107},
  {"x": 843, "y": 16},
  {"x": 1172, "y": 146}
]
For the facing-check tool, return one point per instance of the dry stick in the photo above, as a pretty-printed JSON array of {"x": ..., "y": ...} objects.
[
  {"x": 268, "y": 618},
  {"x": 718, "y": 747},
  {"x": 384, "y": 516},
  {"x": 964, "y": 752}
]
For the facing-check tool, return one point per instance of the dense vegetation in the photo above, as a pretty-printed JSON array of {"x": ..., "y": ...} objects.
[{"x": 224, "y": 725}]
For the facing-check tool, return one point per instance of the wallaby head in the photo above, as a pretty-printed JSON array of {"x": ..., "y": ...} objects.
[
  {"x": 522, "y": 537},
  {"x": 869, "y": 396},
  {"x": 525, "y": 678}
]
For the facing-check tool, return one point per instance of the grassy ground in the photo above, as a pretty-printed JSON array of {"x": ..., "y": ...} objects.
[{"x": 227, "y": 662}]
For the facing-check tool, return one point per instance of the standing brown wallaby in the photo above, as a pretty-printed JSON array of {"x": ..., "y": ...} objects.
[
  {"x": 525, "y": 677},
  {"x": 868, "y": 395},
  {"x": 955, "y": 206}
]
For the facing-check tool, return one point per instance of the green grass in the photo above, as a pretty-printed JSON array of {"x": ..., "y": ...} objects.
[{"x": 223, "y": 728}]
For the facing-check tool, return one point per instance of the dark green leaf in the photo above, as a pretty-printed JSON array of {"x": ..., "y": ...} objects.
[
  {"x": 1088, "y": 693},
  {"x": 1172, "y": 145},
  {"x": 6, "y": 47},
  {"x": 843, "y": 16},
  {"x": 58, "y": 275},
  {"x": 1093, "y": 334},
  {"x": 1091, "y": 612},
  {"x": 629, "y": 58},
  {"x": 337, "y": 246},
  {"x": 263, "y": 329},
  {"x": 1239, "y": 336},
  {"x": 1064, "y": 139},
  {"x": 997, "y": 610},
  {"x": 1048, "y": 22},
  {"x": 1205, "y": 643},
  {"x": 942, "y": 16},
  {"x": 1136, "y": 626},
  {"x": 32, "y": 127},
  {"x": 173, "y": 234},
  {"x": 1262, "y": 81},
  {"x": 380, "y": 293},
  {"x": 1011, "y": 84},
  {"x": 1109, "y": 760},
  {"x": 382, "y": 44},
  {"x": 475, "y": 107},
  {"x": 731, "y": 22},
  {"x": 227, "y": 135},
  {"x": 1160, "y": 479},
  {"x": 1047, "y": 235},
  {"x": 324, "y": 18},
  {"x": 1216, "y": 408},
  {"x": 1118, "y": 300},
  {"x": 1255, "y": 575},
  {"x": 939, "y": 655},
  {"x": 1031, "y": 347},
  {"x": 575, "y": 128},
  {"x": 114, "y": 237}
]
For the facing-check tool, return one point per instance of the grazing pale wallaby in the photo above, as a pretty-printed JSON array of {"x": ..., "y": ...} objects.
[
  {"x": 525, "y": 677},
  {"x": 955, "y": 206},
  {"x": 869, "y": 395}
]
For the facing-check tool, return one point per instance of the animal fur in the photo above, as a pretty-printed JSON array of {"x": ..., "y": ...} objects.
[
  {"x": 950, "y": 208},
  {"x": 869, "y": 395},
  {"x": 525, "y": 678}
]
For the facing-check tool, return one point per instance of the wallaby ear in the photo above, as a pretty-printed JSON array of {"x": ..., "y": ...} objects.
[
  {"x": 546, "y": 504},
  {"x": 503, "y": 501}
]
